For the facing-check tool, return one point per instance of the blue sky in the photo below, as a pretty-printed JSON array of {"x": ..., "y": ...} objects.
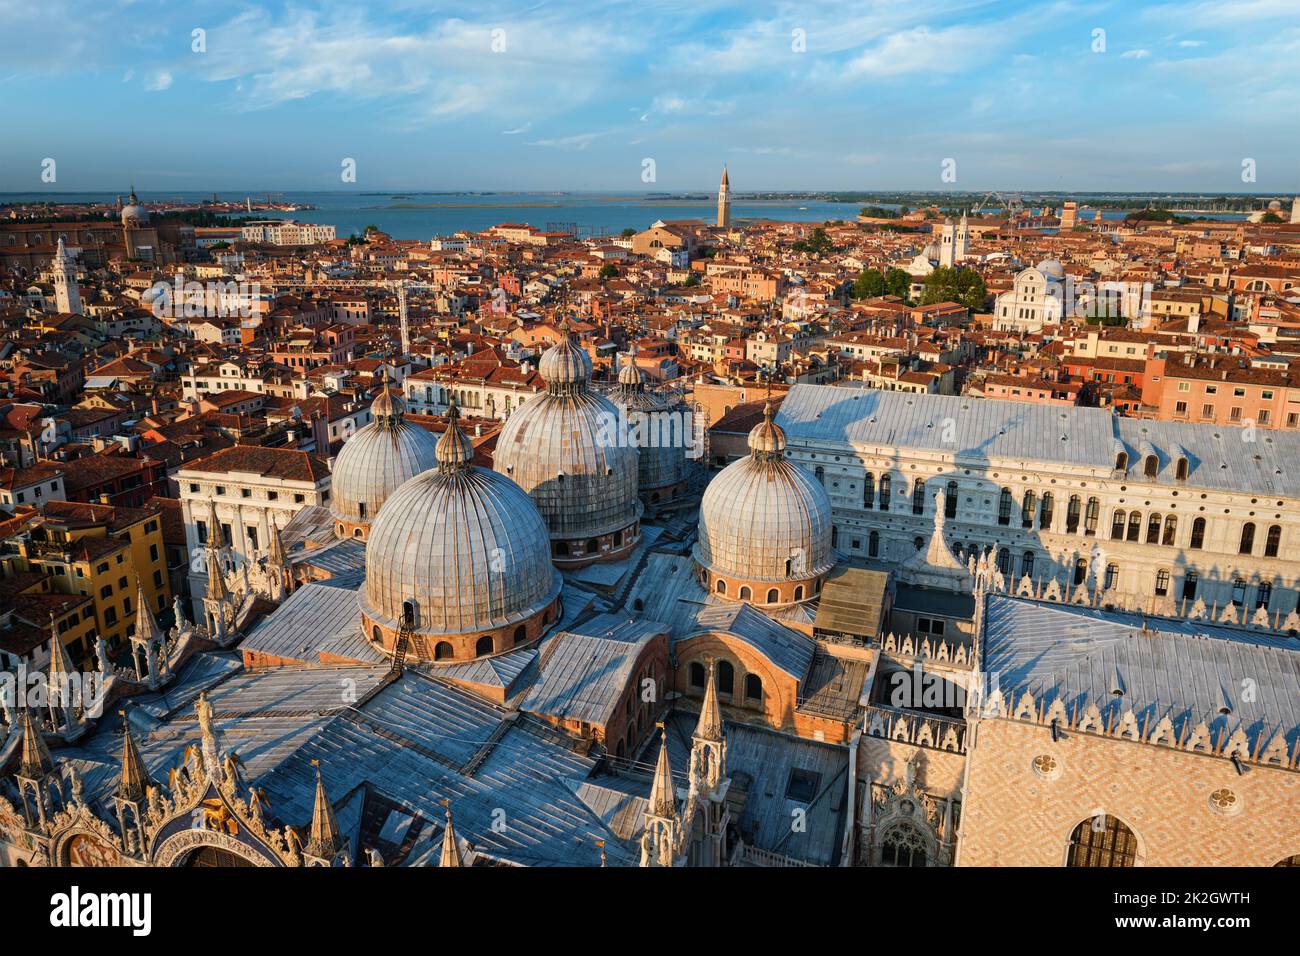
[{"x": 577, "y": 95}]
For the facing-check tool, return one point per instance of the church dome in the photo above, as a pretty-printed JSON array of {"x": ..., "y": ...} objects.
[
  {"x": 375, "y": 462},
  {"x": 658, "y": 430},
  {"x": 765, "y": 524},
  {"x": 568, "y": 448},
  {"x": 464, "y": 549},
  {"x": 1051, "y": 268}
]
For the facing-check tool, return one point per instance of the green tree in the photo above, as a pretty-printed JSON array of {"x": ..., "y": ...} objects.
[
  {"x": 693, "y": 279},
  {"x": 955, "y": 285},
  {"x": 1270, "y": 217},
  {"x": 628, "y": 233},
  {"x": 898, "y": 282},
  {"x": 869, "y": 284},
  {"x": 817, "y": 244},
  {"x": 608, "y": 270}
]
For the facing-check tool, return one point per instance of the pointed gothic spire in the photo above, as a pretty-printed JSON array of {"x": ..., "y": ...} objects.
[
  {"x": 60, "y": 663},
  {"x": 451, "y": 854},
  {"x": 276, "y": 554},
  {"x": 36, "y": 761},
  {"x": 663, "y": 797},
  {"x": 324, "y": 839},
  {"x": 146, "y": 628},
  {"x": 135, "y": 781},
  {"x": 710, "y": 725}
]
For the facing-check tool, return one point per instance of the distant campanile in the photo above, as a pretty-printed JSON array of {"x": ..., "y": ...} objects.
[{"x": 724, "y": 201}]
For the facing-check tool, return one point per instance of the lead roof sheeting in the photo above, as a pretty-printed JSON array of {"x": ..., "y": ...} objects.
[
  {"x": 985, "y": 429},
  {"x": 314, "y": 618},
  {"x": 1179, "y": 668},
  {"x": 787, "y": 649}
]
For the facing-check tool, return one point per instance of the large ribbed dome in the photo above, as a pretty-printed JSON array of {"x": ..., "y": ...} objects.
[
  {"x": 377, "y": 460},
  {"x": 465, "y": 545},
  {"x": 764, "y": 518},
  {"x": 568, "y": 449}
]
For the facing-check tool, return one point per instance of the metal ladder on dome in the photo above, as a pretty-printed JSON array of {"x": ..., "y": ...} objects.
[{"x": 399, "y": 651}]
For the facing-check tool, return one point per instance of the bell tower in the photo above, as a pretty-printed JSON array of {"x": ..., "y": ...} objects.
[{"x": 724, "y": 201}]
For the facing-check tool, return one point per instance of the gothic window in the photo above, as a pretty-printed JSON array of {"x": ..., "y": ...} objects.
[
  {"x": 483, "y": 646},
  {"x": 1102, "y": 842},
  {"x": 1117, "y": 525},
  {"x": 1198, "y": 534},
  {"x": 1080, "y": 570},
  {"x": 1091, "y": 515},
  {"x": 902, "y": 845},
  {"x": 918, "y": 497},
  {"x": 1162, "y": 582},
  {"x": 1247, "y": 538},
  {"x": 1045, "y": 512},
  {"x": 1027, "y": 510},
  {"x": 698, "y": 675},
  {"x": 1171, "y": 530},
  {"x": 1153, "y": 528},
  {"x": 1273, "y": 541},
  {"x": 1004, "y": 507},
  {"x": 869, "y": 491},
  {"x": 726, "y": 677},
  {"x": 950, "y": 500},
  {"x": 1072, "y": 514},
  {"x": 753, "y": 688},
  {"x": 1134, "y": 525},
  {"x": 1027, "y": 564}
]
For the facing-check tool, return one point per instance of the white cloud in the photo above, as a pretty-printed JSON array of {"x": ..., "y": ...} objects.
[
  {"x": 1136, "y": 54},
  {"x": 1187, "y": 44},
  {"x": 159, "y": 81}
]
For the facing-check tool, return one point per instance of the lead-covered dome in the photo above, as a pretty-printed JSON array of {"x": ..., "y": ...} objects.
[
  {"x": 569, "y": 449},
  {"x": 661, "y": 432},
  {"x": 765, "y": 525},
  {"x": 463, "y": 551},
  {"x": 375, "y": 462}
]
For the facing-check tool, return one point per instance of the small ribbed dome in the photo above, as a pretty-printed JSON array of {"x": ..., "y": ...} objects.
[
  {"x": 1051, "y": 268},
  {"x": 378, "y": 459},
  {"x": 454, "y": 449},
  {"x": 764, "y": 518},
  {"x": 568, "y": 449},
  {"x": 464, "y": 545},
  {"x": 629, "y": 375},
  {"x": 565, "y": 363},
  {"x": 657, "y": 428}
]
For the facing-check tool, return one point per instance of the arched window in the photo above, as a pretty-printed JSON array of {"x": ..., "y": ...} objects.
[
  {"x": 726, "y": 677},
  {"x": 408, "y": 613},
  {"x": 885, "y": 482},
  {"x": 950, "y": 500},
  {"x": 483, "y": 646},
  {"x": 753, "y": 688},
  {"x": 918, "y": 543},
  {"x": 902, "y": 845},
  {"x": 1134, "y": 525},
  {"x": 1080, "y": 570},
  {"x": 873, "y": 544},
  {"x": 521, "y": 634},
  {"x": 1045, "y": 512},
  {"x": 798, "y": 592},
  {"x": 1171, "y": 530},
  {"x": 1121, "y": 461},
  {"x": 442, "y": 652},
  {"x": 1151, "y": 466},
  {"x": 697, "y": 675},
  {"x": 1004, "y": 561},
  {"x": 1153, "y": 528},
  {"x": 1027, "y": 564},
  {"x": 377, "y": 635},
  {"x": 820, "y": 474},
  {"x": 1090, "y": 516},
  {"x": 593, "y": 546},
  {"x": 1180, "y": 470},
  {"x": 773, "y": 595},
  {"x": 1273, "y": 541},
  {"x": 1102, "y": 841},
  {"x": 1247, "y": 538},
  {"x": 918, "y": 497},
  {"x": 1198, "y": 534},
  {"x": 1072, "y": 511},
  {"x": 745, "y": 593},
  {"x": 722, "y": 586},
  {"x": 1263, "y": 594},
  {"x": 1027, "y": 504},
  {"x": 869, "y": 491},
  {"x": 1117, "y": 525},
  {"x": 1112, "y": 576},
  {"x": 1189, "y": 585},
  {"x": 1004, "y": 506},
  {"x": 1162, "y": 582}
]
